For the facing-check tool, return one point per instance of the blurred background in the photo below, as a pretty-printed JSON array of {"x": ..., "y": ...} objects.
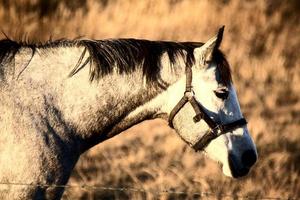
[{"x": 262, "y": 45}]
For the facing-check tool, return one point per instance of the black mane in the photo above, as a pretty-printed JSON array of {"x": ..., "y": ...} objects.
[{"x": 126, "y": 54}]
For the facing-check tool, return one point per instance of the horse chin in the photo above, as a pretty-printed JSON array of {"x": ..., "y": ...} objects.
[
  {"x": 234, "y": 174},
  {"x": 233, "y": 170}
]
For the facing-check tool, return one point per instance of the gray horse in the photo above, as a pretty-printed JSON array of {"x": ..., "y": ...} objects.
[{"x": 61, "y": 98}]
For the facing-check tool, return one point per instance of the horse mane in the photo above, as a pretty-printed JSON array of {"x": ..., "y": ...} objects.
[{"x": 126, "y": 54}]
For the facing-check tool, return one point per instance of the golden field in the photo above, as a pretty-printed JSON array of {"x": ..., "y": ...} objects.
[{"x": 262, "y": 44}]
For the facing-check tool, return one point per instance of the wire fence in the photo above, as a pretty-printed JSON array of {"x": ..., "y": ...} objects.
[{"x": 141, "y": 190}]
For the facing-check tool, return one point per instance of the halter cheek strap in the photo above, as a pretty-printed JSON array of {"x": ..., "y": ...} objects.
[{"x": 215, "y": 129}]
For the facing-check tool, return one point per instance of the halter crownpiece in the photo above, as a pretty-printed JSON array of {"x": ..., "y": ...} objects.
[{"x": 215, "y": 129}]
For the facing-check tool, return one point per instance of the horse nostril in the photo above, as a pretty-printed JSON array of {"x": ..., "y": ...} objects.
[{"x": 249, "y": 157}]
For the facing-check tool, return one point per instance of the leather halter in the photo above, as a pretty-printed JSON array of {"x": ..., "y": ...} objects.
[{"x": 215, "y": 129}]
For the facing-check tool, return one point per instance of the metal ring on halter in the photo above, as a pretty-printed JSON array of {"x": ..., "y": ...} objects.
[{"x": 189, "y": 94}]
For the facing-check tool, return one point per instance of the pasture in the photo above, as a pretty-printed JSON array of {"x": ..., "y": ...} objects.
[{"x": 261, "y": 41}]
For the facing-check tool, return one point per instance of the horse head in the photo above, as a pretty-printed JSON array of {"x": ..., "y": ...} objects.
[{"x": 208, "y": 115}]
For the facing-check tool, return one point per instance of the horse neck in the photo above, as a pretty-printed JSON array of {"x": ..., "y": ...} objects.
[
  {"x": 99, "y": 109},
  {"x": 118, "y": 101}
]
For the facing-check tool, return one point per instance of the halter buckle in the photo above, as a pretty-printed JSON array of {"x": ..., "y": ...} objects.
[{"x": 217, "y": 130}]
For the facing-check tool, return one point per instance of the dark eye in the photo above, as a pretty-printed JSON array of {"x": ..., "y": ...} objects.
[{"x": 222, "y": 93}]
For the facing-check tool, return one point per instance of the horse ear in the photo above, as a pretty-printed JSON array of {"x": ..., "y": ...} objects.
[{"x": 204, "y": 53}]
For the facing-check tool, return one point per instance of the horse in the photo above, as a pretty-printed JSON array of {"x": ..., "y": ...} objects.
[{"x": 60, "y": 98}]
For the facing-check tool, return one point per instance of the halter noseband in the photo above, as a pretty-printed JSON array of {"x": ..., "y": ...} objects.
[{"x": 215, "y": 129}]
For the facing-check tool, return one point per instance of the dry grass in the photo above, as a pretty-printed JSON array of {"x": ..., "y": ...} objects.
[{"x": 262, "y": 44}]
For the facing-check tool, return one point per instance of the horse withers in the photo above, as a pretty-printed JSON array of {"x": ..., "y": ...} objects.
[{"x": 61, "y": 98}]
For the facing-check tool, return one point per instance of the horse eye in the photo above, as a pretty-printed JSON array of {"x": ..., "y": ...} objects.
[{"x": 222, "y": 93}]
